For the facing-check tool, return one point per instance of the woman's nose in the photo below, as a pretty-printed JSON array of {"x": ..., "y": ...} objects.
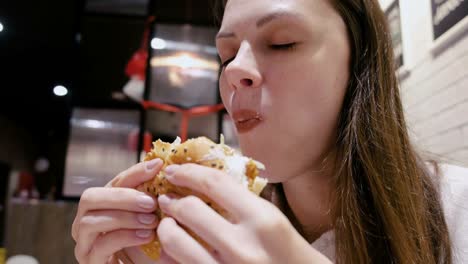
[{"x": 243, "y": 71}]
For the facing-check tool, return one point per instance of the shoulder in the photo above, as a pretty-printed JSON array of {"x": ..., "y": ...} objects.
[
  {"x": 454, "y": 172},
  {"x": 454, "y": 197},
  {"x": 453, "y": 184}
]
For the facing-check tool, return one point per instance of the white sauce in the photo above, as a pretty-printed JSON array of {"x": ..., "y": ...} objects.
[{"x": 235, "y": 164}]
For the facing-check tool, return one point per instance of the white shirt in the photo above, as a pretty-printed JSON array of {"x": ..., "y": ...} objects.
[{"x": 454, "y": 196}]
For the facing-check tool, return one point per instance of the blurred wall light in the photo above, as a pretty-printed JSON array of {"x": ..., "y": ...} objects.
[
  {"x": 185, "y": 61},
  {"x": 100, "y": 124},
  {"x": 42, "y": 164},
  {"x": 97, "y": 124},
  {"x": 157, "y": 43},
  {"x": 60, "y": 90},
  {"x": 1, "y": 27}
]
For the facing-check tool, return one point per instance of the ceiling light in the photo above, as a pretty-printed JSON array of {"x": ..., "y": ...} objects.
[{"x": 60, "y": 90}]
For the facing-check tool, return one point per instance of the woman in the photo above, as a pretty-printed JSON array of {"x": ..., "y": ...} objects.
[{"x": 311, "y": 86}]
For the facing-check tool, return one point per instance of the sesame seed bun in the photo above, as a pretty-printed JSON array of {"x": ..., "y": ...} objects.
[{"x": 204, "y": 152}]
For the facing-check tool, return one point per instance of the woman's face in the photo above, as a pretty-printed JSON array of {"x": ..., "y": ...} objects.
[{"x": 285, "y": 71}]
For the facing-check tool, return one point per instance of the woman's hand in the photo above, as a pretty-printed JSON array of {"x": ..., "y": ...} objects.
[
  {"x": 256, "y": 233},
  {"x": 111, "y": 219}
]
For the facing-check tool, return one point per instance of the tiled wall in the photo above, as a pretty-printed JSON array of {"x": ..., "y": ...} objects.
[{"x": 434, "y": 84}]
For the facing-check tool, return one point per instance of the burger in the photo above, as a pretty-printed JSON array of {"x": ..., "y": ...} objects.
[{"x": 205, "y": 152}]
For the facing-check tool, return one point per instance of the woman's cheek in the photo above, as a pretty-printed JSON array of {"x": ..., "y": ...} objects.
[{"x": 225, "y": 94}]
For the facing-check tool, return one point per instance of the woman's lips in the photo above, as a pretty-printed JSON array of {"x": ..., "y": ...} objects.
[{"x": 246, "y": 120}]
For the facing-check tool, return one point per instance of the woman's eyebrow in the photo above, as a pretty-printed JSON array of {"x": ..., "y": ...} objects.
[
  {"x": 264, "y": 20},
  {"x": 276, "y": 15}
]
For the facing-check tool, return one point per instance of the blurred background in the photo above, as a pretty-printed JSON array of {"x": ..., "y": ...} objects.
[{"x": 86, "y": 85}]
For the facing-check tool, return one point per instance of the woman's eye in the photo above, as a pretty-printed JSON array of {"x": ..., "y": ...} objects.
[
  {"x": 287, "y": 46},
  {"x": 224, "y": 64}
]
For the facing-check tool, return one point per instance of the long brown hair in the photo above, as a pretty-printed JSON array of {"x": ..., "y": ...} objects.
[{"x": 386, "y": 205}]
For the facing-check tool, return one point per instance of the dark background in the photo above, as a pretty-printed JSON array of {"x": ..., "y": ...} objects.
[{"x": 82, "y": 45}]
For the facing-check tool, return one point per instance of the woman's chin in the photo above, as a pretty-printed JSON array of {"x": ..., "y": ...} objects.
[{"x": 270, "y": 177}]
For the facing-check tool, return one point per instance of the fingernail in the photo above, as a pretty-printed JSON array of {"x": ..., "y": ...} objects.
[
  {"x": 146, "y": 218},
  {"x": 145, "y": 201},
  {"x": 151, "y": 164},
  {"x": 143, "y": 233},
  {"x": 170, "y": 170},
  {"x": 164, "y": 201}
]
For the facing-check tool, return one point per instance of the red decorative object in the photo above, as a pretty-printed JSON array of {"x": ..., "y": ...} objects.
[
  {"x": 136, "y": 67},
  {"x": 133, "y": 140},
  {"x": 186, "y": 113},
  {"x": 137, "y": 64}
]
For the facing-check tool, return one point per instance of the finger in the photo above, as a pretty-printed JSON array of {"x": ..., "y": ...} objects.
[
  {"x": 137, "y": 174},
  {"x": 166, "y": 259},
  {"x": 101, "y": 198},
  {"x": 215, "y": 184},
  {"x": 180, "y": 246},
  {"x": 123, "y": 257},
  {"x": 114, "y": 260},
  {"x": 96, "y": 222},
  {"x": 135, "y": 255},
  {"x": 106, "y": 245},
  {"x": 193, "y": 213}
]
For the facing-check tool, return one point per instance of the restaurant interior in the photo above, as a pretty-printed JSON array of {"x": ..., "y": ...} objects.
[{"x": 87, "y": 85}]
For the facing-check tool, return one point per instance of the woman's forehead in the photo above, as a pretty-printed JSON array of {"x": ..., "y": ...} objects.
[
  {"x": 240, "y": 14},
  {"x": 261, "y": 11}
]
